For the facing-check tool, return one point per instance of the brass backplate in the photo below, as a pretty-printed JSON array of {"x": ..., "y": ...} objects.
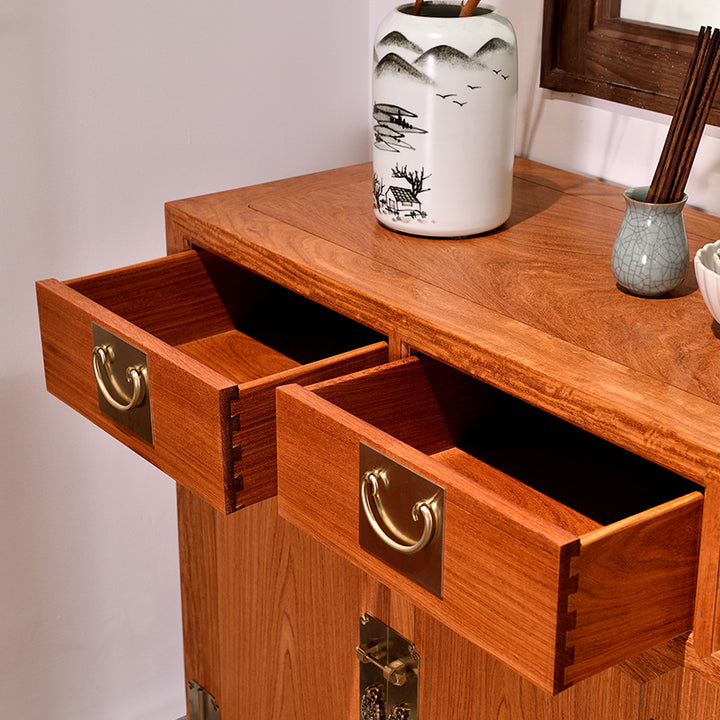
[
  {"x": 394, "y": 510},
  {"x": 391, "y": 696},
  {"x": 139, "y": 419}
]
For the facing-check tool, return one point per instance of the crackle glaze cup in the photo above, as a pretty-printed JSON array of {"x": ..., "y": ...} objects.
[
  {"x": 707, "y": 272},
  {"x": 650, "y": 256},
  {"x": 444, "y": 107}
]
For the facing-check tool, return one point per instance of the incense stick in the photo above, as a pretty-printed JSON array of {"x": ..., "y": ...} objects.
[
  {"x": 661, "y": 172},
  {"x": 705, "y": 104},
  {"x": 468, "y": 8},
  {"x": 688, "y": 122},
  {"x": 465, "y": 11}
]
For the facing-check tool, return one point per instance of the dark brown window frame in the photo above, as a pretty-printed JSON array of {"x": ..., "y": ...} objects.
[{"x": 589, "y": 49}]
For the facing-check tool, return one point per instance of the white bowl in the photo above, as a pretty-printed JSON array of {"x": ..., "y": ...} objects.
[{"x": 707, "y": 272}]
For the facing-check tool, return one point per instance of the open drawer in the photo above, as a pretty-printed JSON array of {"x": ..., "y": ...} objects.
[
  {"x": 562, "y": 554},
  {"x": 214, "y": 341}
]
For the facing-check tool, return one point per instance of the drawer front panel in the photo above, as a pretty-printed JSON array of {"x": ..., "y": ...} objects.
[
  {"x": 503, "y": 570},
  {"x": 190, "y": 404},
  {"x": 555, "y": 595}
]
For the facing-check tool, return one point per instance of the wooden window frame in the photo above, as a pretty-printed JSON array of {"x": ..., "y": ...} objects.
[{"x": 589, "y": 49}]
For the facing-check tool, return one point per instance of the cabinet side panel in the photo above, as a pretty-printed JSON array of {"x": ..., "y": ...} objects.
[
  {"x": 706, "y": 627},
  {"x": 199, "y": 590}
]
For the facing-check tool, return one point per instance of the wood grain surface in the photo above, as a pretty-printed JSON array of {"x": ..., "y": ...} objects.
[
  {"x": 477, "y": 686},
  {"x": 288, "y": 621},
  {"x": 520, "y": 568},
  {"x": 511, "y": 610},
  {"x": 218, "y": 341},
  {"x": 191, "y": 451},
  {"x": 639, "y": 573},
  {"x": 200, "y": 592},
  {"x": 531, "y": 308},
  {"x": 254, "y": 443}
]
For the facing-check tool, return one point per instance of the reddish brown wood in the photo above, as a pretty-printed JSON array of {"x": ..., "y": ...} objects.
[
  {"x": 704, "y": 665},
  {"x": 486, "y": 688},
  {"x": 238, "y": 356},
  {"x": 288, "y": 616},
  {"x": 329, "y": 511},
  {"x": 639, "y": 573},
  {"x": 641, "y": 374},
  {"x": 520, "y": 494},
  {"x": 532, "y": 310},
  {"x": 677, "y": 132},
  {"x": 190, "y": 451},
  {"x": 700, "y": 697},
  {"x": 211, "y": 385},
  {"x": 706, "y": 627},
  {"x": 256, "y": 608},
  {"x": 511, "y": 578},
  {"x": 518, "y": 308},
  {"x": 200, "y": 592},
  {"x": 172, "y": 298},
  {"x": 253, "y": 413},
  {"x": 468, "y": 8}
]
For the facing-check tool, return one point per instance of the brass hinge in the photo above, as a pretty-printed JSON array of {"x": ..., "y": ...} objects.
[{"x": 201, "y": 704}]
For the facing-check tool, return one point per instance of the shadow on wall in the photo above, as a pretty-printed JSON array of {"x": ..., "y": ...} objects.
[{"x": 70, "y": 566}]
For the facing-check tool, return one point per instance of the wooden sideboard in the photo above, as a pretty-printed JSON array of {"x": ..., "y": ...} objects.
[{"x": 573, "y": 428}]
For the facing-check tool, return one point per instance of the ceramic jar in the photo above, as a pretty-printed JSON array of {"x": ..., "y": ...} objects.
[
  {"x": 444, "y": 107},
  {"x": 650, "y": 255}
]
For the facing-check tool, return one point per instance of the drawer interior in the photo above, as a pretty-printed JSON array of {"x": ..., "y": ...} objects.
[
  {"x": 233, "y": 321},
  {"x": 558, "y": 471}
]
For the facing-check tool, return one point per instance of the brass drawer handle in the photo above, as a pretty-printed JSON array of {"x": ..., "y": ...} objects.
[
  {"x": 102, "y": 357},
  {"x": 423, "y": 508}
]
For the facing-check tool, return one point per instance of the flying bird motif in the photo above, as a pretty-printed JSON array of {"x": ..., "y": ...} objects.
[
  {"x": 504, "y": 77},
  {"x": 457, "y": 102},
  {"x": 446, "y": 96},
  {"x": 474, "y": 87},
  {"x": 497, "y": 71}
]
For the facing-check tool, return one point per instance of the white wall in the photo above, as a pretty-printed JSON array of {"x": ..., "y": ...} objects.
[{"x": 108, "y": 110}]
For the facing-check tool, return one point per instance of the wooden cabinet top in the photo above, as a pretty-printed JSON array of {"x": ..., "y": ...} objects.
[{"x": 531, "y": 308}]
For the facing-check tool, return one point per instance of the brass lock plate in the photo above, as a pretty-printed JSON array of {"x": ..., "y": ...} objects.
[
  {"x": 121, "y": 374},
  {"x": 389, "y": 673},
  {"x": 401, "y": 518}
]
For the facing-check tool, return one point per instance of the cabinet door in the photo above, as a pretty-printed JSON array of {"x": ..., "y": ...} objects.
[
  {"x": 459, "y": 681},
  {"x": 270, "y": 620},
  {"x": 270, "y": 616},
  {"x": 700, "y": 697}
]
